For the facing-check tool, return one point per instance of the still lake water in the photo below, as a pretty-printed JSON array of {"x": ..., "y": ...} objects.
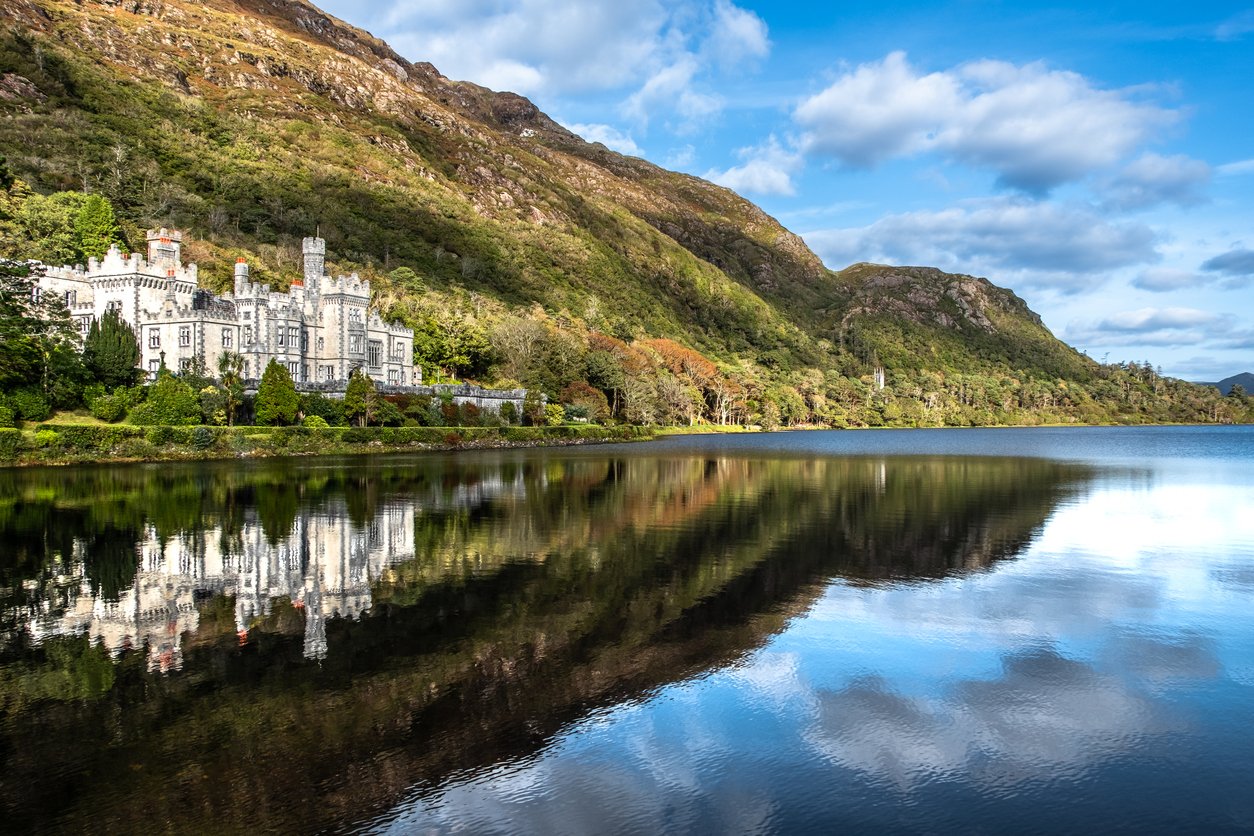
[{"x": 934, "y": 631}]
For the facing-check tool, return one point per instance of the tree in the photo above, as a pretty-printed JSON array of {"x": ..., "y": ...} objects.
[
  {"x": 277, "y": 400},
  {"x": 360, "y": 398},
  {"x": 111, "y": 351},
  {"x": 170, "y": 402},
  {"x": 95, "y": 227},
  {"x": 38, "y": 342},
  {"x": 231, "y": 373}
]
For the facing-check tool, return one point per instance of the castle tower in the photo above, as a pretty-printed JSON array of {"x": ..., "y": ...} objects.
[
  {"x": 241, "y": 275},
  {"x": 164, "y": 247},
  {"x": 315, "y": 250}
]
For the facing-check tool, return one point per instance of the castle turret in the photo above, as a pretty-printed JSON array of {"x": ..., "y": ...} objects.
[
  {"x": 315, "y": 250},
  {"x": 241, "y": 275},
  {"x": 164, "y": 248}
]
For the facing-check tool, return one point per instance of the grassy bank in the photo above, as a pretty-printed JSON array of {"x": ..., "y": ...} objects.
[{"x": 48, "y": 444}]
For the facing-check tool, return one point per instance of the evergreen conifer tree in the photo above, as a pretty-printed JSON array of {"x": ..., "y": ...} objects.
[
  {"x": 277, "y": 401},
  {"x": 111, "y": 351},
  {"x": 360, "y": 399}
]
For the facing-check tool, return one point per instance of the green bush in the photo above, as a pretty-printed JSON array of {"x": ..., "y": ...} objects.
[
  {"x": 170, "y": 402},
  {"x": 8, "y": 418},
  {"x": 30, "y": 405},
  {"x": 46, "y": 439},
  {"x": 10, "y": 440},
  {"x": 315, "y": 422},
  {"x": 202, "y": 438},
  {"x": 85, "y": 438},
  {"x": 110, "y": 408}
]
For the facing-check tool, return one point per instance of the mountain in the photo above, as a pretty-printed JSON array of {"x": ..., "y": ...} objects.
[
  {"x": 252, "y": 124},
  {"x": 1245, "y": 380}
]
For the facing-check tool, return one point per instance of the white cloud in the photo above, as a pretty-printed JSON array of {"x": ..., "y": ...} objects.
[
  {"x": 609, "y": 136},
  {"x": 767, "y": 169},
  {"x": 671, "y": 88},
  {"x": 1162, "y": 279},
  {"x": 1152, "y": 179},
  {"x": 1162, "y": 327},
  {"x": 660, "y": 55},
  {"x": 1238, "y": 263},
  {"x": 1039, "y": 242},
  {"x": 1034, "y": 126},
  {"x": 1157, "y": 319},
  {"x": 1236, "y": 168},
  {"x": 737, "y": 35}
]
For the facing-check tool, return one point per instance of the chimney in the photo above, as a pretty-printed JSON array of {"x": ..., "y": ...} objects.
[
  {"x": 241, "y": 275},
  {"x": 163, "y": 248}
]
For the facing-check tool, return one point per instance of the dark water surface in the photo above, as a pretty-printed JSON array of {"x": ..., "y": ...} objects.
[{"x": 934, "y": 631}]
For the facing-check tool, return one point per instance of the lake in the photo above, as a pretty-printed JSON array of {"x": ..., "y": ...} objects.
[{"x": 932, "y": 631}]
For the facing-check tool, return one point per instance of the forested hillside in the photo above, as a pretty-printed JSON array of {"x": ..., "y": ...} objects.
[{"x": 519, "y": 253}]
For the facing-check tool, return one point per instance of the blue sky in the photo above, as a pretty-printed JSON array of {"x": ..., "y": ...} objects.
[{"x": 1097, "y": 159}]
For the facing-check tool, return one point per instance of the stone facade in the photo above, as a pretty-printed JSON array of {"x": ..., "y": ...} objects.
[{"x": 322, "y": 329}]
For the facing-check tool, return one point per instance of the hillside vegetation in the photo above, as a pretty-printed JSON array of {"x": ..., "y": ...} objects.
[{"x": 517, "y": 251}]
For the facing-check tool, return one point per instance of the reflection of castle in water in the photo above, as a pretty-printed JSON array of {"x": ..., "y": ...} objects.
[{"x": 325, "y": 566}]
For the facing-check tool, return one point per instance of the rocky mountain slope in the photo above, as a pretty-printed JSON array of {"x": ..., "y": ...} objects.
[{"x": 254, "y": 123}]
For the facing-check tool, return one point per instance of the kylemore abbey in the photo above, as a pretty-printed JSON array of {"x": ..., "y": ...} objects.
[{"x": 323, "y": 329}]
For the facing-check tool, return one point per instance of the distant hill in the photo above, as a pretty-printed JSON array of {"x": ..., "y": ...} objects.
[{"x": 1244, "y": 379}]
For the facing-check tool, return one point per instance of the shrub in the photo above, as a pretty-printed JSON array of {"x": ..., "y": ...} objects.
[
  {"x": 315, "y": 422},
  {"x": 110, "y": 408},
  {"x": 10, "y": 440},
  {"x": 171, "y": 402},
  {"x": 8, "y": 418},
  {"x": 509, "y": 412},
  {"x": 30, "y": 405},
  {"x": 45, "y": 439},
  {"x": 202, "y": 438},
  {"x": 329, "y": 410}
]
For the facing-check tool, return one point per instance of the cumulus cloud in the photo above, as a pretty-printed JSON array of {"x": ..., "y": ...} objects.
[
  {"x": 1238, "y": 263},
  {"x": 1036, "y": 127},
  {"x": 1152, "y": 179},
  {"x": 987, "y": 236},
  {"x": 1155, "y": 327},
  {"x": 671, "y": 88},
  {"x": 767, "y": 169},
  {"x": 609, "y": 136},
  {"x": 665, "y": 52},
  {"x": 1163, "y": 279}
]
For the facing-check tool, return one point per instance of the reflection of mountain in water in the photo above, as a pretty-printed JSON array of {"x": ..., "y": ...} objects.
[{"x": 491, "y": 601}]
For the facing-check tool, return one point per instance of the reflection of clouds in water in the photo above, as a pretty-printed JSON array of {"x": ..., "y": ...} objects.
[
  {"x": 1046, "y": 714},
  {"x": 568, "y": 795}
]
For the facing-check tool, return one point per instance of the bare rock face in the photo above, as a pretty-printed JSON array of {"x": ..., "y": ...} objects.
[
  {"x": 16, "y": 88},
  {"x": 930, "y": 296}
]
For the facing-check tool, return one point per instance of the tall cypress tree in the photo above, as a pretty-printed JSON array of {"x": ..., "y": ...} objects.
[
  {"x": 277, "y": 401},
  {"x": 95, "y": 227},
  {"x": 111, "y": 351}
]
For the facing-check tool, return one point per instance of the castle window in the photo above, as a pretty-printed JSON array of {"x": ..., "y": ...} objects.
[
  {"x": 248, "y": 335},
  {"x": 84, "y": 325},
  {"x": 294, "y": 369},
  {"x": 36, "y": 294},
  {"x": 394, "y": 376},
  {"x": 185, "y": 363},
  {"x": 71, "y": 298},
  {"x": 227, "y": 337},
  {"x": 154, "y": 366},
  {"x": 185, "y": 335},
  {"x": 321, "y": 344},
  {"x": 154, "y": 338},
  {"x": 354, "y": 344},
  {"x": 304, "y": 340},
  {"x": 114, "y": 306},
  {"x": 291, "y": 336},
  {"x": 248, "y": 314},
  {"x": 376, "y": 354},
  {"x": 328, "y": 372},
  {"x": 280, "y": 336}
]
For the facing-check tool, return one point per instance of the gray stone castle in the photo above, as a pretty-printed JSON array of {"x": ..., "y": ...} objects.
[{"x": 323, "y": 329}]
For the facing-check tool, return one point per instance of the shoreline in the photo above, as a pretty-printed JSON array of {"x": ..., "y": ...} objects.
[{"x": 54, "y": 445}]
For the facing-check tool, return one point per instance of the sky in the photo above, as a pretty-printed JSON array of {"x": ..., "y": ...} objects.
[{"x": 1097, "y": 159}]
